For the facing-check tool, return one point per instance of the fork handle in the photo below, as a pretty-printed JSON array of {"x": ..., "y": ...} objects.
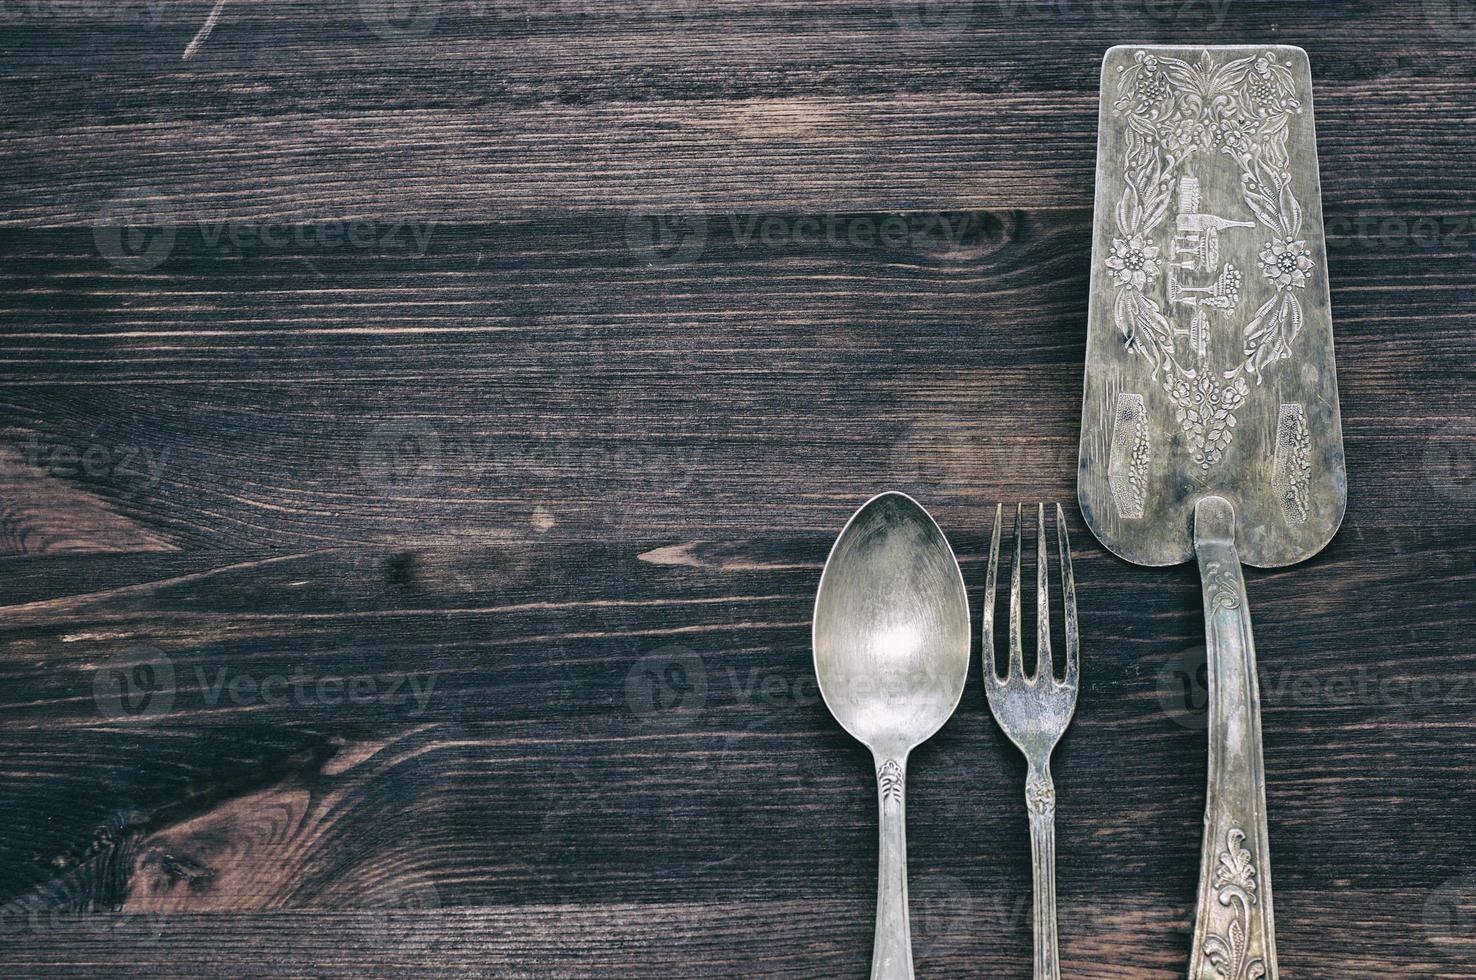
[
  {"x": 1234, "y": 931},
  {"x": 1040, "y": 801},
  {"x": 891, "y": 951}
]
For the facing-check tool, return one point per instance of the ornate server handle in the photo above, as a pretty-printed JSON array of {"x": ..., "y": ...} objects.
[
  {"x": 1040, "y": 800},
  {"x": 1234, "y": 932},
  {"x": 891, "y": 955}
]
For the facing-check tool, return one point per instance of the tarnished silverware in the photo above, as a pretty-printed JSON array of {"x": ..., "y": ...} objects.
[
  {"x": 1210, "y": 422},
  {"x": 891, "y": 641},
  {"x": 1034, "y": 711}
]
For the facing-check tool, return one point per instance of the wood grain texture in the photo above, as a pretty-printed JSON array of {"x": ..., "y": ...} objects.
[
  {"x": 408, "y": 559},
  {"x": 543, "y": 777}
]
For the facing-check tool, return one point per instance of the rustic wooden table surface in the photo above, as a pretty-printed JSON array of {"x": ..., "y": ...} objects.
[{"x": 423, "y": 430}]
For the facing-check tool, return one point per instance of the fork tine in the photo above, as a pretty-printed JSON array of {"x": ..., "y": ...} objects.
[
  {"x": 1017, "y": 654},
  {"x": 1068, "y": 601},
  {"x": 1045, "y": 668},
  {"x": 990, "y": 581}
]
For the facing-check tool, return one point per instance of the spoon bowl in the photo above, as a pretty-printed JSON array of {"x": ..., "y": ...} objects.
[
  {"x": 891, "y": 626},
  {"x": 891, "y": 643}
]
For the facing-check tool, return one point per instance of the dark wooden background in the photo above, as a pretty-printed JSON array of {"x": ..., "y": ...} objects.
[{"x": 550, "y": 499}]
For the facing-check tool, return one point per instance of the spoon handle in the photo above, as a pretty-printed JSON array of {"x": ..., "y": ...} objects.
[{"x": 891, "y": 955}]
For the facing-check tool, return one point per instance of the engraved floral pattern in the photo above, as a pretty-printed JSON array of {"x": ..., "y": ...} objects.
[
  {"x": 1186, "y": 135},
  {"x": 1132, "y": 261},
  {"x": 1234, "y": 133},
  {"x": 890, "y": 779},
  {"x": 1221, "y": 587},
  {"x": 1040, "y": 797},
  {"x": 1291, "y": 466},
  {"x": 1138, "y": 471},
  {"x": 1127, "y": 464},
  {"x": 1235, "y": 866},
  {"x": 1240, "y": 110},
  {"x": 1206, "y": 412},
  {"x": 1229, "y": 952},
  {"x": 1286, "y": 263},
  {"x": 1270, "y": 88}
]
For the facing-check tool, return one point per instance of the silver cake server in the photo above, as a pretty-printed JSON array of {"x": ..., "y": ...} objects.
[{"x": 1210, "y": 423}]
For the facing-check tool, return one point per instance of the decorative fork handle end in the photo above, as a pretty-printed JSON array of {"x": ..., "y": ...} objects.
[
  {"x": 891, "y": 954},
  {"x": 1234, "y": 930},
  {"x": 1040, "y": 801}
]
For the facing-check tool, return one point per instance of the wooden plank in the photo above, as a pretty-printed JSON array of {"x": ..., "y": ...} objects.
[
  {"x": 531, "y": 381},
  {"x": 740, "y": 938},
  {"x": 486, "y": 110},
  {"x": 604, "y": 728}
]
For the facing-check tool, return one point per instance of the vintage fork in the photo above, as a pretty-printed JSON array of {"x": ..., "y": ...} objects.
[{"x": 1034, "y": 711}]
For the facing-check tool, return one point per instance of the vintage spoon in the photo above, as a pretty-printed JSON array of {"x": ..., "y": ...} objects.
[{"x": 891, "y": 656}]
